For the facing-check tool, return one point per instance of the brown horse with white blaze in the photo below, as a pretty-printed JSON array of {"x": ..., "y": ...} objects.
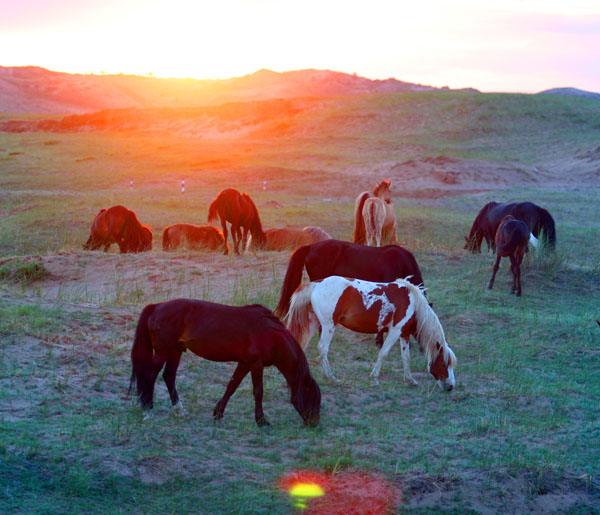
[
  {"x": 367, "y": 307},
  {"x": 121, "y": 226}
]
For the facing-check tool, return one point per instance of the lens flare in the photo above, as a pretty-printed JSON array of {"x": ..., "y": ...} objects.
[{"x": 301, "y": 492}]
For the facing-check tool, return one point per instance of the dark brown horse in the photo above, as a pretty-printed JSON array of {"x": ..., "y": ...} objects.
[
  {"x": 335, "y": 257},
  {"x": 511, "y": 241},
  {"x": 288, "y": 238},
  {"x": 121, "y": 226},
  {"x": 250, "y": 335},
  {"x": 486, "y": 223},
  {"x": 193, "y": 237},
  {"x": 239, "y": 210}
]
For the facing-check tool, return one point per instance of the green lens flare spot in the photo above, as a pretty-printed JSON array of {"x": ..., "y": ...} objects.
[{"x": 306, "y": 490}]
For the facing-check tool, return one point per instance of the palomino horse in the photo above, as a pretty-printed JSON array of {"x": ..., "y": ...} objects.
[
  {"x": 121, "y": 226},
  {"x": 193, "y": 237},
  {"x": 488, "y": 219},
  {"x": 367, "y": 307},
  {"x": 288, "y": 238},
  {"x": 383, "y": 192},
  {"x": 511, "y": 241},
  {"x": 238, "y": 209},
  {"x": 250, "y": 335}
]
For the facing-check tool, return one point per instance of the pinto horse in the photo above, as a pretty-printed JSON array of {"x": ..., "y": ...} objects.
[
  {"x": 487, "y": 221},
  {"x": 239, "y": 210},
  {"x": 121, "y": 226},
  {"x": 193, "y": 237},
  {"x": 288, "y": 238},
  {"x": 367, "y": 307},
  {"x": 511, "y": 241},
  {"x": 383, "y": 192},
  {"x": 335, "y": 257},
  {"x": 250, "y": 335}
]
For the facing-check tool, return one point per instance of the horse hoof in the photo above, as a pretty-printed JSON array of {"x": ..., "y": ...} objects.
[
  {"x": 148, "y": 416},
  {"x": 375, "y": 382},
  {"x": 263, "y": 422}
]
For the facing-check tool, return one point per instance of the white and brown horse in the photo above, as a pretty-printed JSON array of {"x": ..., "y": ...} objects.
[
  {"x": 374, "y": 216},
  {"x": 366, "y": 307}
]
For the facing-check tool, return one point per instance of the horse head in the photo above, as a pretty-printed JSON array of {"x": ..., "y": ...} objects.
[
  {"x": 307, "y": 400},
  {"x": 383, "y": 190},
  {"x": 442, "y": 367}
]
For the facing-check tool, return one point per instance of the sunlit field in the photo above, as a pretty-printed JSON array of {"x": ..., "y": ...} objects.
[{"x": 520, "y": 432}]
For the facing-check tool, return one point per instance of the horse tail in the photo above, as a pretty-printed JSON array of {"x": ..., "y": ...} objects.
[
  {"x": 297, "y": 319},
  {"x": 549, "y": 229},
  {"x": 166, "y": 241},
  {"x": 141, "y": 359},
  {"x": 213, "y": 211},
  {"x": 373, "y": 221},
  {"x": 359, "y": 223},
  {"x": 292, "y": 279}
]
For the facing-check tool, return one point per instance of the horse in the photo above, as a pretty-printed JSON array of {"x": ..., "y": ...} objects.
[
  {"x": 335, "y": 257},
  {"x": 511, "y": 241},
  {"x": 250, "y": 335},
  {"x": 374, "y": 217},
  {"x": 238, "y": 209},
  {"x": 121, "y": 226},
  {"x": 286, "y": 238},
  {"x": 486, "y": 223},
  {"x": 193, "y": 237},
  {"x": 383, "y": 191},
  {"x": 368, "y": 307}
]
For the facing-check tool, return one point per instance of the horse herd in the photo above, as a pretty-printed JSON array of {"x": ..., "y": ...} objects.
[{"x": 367, "y": 289}]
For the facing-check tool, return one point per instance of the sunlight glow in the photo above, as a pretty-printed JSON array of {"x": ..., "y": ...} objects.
[{"x": 523, "y": 45}]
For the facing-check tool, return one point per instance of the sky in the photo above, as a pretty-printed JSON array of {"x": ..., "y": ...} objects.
[{"x": 508, "y": 45}]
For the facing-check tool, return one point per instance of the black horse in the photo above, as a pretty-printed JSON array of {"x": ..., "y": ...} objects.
[
  {"x": 250, "y": 335},
  {"x": 486, "y": 223}
]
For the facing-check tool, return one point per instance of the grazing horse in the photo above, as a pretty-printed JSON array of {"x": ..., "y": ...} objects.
[
  {"x": 488, "y": 219},
  {"x": 121, "y": 226},
  {"x": 367, "y": 307},
  {"x": 250, "y": 335},
  {"x": 193, "y": 237},
  {"x": 382, "y": 191},
  {"x": 288, "y": 238},
  {"x": 511, "y": 241},
  {"x": 239, "y": 210}
]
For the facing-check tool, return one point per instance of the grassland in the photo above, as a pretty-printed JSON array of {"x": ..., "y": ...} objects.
[{"x": 520, "y": 432}]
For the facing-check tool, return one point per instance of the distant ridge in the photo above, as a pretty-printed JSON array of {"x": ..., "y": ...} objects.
[
  {"x": 31, "y": 89},
  {"x": 570, "y": 91}
]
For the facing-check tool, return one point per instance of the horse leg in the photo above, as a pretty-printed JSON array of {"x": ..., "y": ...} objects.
[
  {"x": 517, "y": 274},
  {"x": 147, "y": 398},
  {"x": 494, "y": 271},
  {"x": 324, "y": 341},
  {"x": 169, "y": 375},
  {"x": 385, "y": 349},
  {"x": 406, "y": 362},
  {"x": 240, "y": 372},
  {"x": 257, "y": 386},
  {"x": 245, "y": 239},
  {"x": 224, "y": 225}
]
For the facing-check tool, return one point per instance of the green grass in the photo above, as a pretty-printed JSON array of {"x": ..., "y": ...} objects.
[{"x": 521, "y": 426}]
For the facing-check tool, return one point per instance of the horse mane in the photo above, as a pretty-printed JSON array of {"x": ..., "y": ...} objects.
[
  {"x": 255, "y": 224},
  {"x": 429, "y": 328}
]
